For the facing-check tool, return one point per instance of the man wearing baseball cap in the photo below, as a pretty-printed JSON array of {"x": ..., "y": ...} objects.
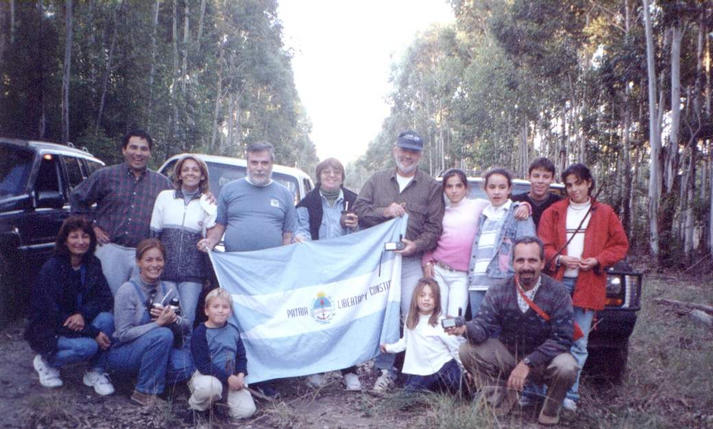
[{"x": 394, "y": 192}]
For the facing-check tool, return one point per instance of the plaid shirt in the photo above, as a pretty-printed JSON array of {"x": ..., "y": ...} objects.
[{"x": 124, "y": 202}]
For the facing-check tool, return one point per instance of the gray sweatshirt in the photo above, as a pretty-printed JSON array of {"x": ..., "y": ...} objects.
[{"x": 129, "y": 310}]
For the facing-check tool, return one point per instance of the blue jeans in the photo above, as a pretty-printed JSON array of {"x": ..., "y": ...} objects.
[
  {"x": 411, "y": 273},
  {"x": 147, "y": 356},
  {"x": 583, "y": 318},
  {"x": 448, "y": 378},
  {"x": 79, "y": 349},
  {"x": 476, "y": 299},
  {"x": 118, "y": 264},
  {"x": 188, "y": 292}
]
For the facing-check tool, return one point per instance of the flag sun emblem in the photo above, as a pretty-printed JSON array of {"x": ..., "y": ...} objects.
[{"x": 322, "y": 308}]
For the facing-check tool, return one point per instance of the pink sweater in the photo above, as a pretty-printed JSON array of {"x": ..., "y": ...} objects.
[{"x": 460, "y": 223}]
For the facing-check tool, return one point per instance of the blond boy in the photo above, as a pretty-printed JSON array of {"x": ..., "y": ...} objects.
[{"x": 220, "y": 360}]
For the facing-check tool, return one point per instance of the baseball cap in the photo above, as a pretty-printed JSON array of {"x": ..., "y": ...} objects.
[{"x": 410, "y": 140}]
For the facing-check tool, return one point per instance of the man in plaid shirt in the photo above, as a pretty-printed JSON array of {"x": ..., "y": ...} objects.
[{"x": 124, "y": 195}]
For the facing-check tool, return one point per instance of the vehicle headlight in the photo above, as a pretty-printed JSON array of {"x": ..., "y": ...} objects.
[{"x": 613, "y": 285}]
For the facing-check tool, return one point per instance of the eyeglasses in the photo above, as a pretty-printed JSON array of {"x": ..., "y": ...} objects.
[{"x": 330, "y": 172}]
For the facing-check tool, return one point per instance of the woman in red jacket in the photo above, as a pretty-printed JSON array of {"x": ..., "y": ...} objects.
[{"x": 582, "y": 238}]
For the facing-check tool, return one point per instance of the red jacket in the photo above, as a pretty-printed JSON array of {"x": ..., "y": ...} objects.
[{"x": 604, "y": 239}]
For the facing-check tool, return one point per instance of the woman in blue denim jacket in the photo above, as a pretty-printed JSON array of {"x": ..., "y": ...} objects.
[{"x": 491, "y": 255}]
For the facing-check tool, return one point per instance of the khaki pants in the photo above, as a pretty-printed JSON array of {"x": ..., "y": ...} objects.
[
  {"x": 490, "y": 364},
  {"x": 206, "y": 389}
]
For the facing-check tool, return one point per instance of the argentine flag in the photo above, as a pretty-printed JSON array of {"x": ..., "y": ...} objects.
[{"x": 315, "y": 306}]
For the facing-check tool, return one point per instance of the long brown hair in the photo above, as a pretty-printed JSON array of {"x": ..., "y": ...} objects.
[{"x": 412, "y": 318}]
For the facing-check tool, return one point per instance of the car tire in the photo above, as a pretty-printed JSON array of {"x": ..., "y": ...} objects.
[
  {"x": 7, "y": 284},
  {"x": 608, "y": 364}
]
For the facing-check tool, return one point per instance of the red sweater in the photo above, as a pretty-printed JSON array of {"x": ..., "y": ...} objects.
[{"x": 604, "y": 239}]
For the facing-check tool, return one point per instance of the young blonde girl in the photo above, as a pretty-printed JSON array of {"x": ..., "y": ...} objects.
[{"x": 431, "y": 361}]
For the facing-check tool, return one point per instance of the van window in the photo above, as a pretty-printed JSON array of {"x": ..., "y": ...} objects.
[
  {"x": 92, "y": 166},
  {"x": 74, "y": 171},
  {"x": 290, "y": 182},
  {"x": 48, "y": 176},
  {"x": 220, "y": 174},
  {"x": 15, "y": 167}
]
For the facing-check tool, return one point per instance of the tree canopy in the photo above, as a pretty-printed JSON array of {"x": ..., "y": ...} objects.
[{"x": 199, "y": 75}]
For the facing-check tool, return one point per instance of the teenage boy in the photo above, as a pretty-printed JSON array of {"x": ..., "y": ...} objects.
[
  {"x": 219, "y": 356},
  {"x": 541, "y": 175}
]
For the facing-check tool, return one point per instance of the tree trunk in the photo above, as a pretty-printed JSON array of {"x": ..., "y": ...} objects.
[
  {"x": 200, "y": 26},
  {"x": 186, "y": 41},
  {"x": 66, "y": 69},
  {"x": 218, "y": 100},
  {"x": 654, "y": 138},
  {"x": 12, "y": 22},
  {"x": 710, "y": 207},
  {"x": 152, "y": 69},
  {"x": 108, "y": 68},
  {"x": 672, "y": 152},
  {"x": 174, "y": 93}
]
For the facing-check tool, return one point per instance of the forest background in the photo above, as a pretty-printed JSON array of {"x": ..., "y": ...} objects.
[{"x": 621, "y": 85}]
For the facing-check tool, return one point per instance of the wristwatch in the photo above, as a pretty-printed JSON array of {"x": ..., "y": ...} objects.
[{"x": 527, "y": 361}]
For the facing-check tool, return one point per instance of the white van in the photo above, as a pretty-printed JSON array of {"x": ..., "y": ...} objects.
[{"x": 224, "y": 169}]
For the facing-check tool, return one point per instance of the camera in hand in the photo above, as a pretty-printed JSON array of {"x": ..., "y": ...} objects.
[
  {"x": 453, "y": 322},
  {"x": 395, "y": 245}
]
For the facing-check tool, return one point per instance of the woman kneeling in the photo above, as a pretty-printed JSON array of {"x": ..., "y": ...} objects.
[
  {"x": 146, "y": 326},
  {"x": 69, "y": 314}
]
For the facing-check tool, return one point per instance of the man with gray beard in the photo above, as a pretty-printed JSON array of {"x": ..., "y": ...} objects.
[
  {"x": 254, "y": 212},
  {"x": 392, "y": 193}
]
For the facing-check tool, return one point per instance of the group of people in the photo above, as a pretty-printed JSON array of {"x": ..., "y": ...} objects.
[{"x": 122, "y": 290}]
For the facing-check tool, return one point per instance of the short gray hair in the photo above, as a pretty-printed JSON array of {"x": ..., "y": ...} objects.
[{"x": 261, "y": 146}]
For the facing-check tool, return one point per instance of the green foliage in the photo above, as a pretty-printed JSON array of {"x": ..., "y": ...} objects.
[
  {"x": 215, "y": 93},
  {"x": 517, "y": 79}
]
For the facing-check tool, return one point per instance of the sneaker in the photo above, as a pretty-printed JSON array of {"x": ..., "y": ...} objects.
[
  {"x": 351, "y": 381},
  {"x": 49, "y": 376},
  {"x": 547, "y": 420},
  {"x": 99, "y": 381},
  {"x": 315, "y": 380},
  {"x": 384, "y": 382},
  {"x": 146, "y": 400},
  {"x": 569, "y": 405},
  {"x": 267, "y": 390}
]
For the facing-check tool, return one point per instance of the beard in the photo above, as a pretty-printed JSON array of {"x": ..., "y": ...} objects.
[
  {"x": 404, "y": 169},
  {"x": 262, "y": 180},
  {"x": 527, "y": 278}
]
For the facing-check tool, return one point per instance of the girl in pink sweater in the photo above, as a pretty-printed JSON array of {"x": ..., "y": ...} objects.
[{"x": 448, "y": 263}]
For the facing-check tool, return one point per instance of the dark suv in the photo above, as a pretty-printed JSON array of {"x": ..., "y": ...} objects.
[
  {"x": 609, "y": 340},
  {"x": 36, "y": 179}
]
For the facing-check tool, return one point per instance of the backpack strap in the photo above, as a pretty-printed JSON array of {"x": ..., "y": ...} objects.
[{"x": 577, "y": 330}]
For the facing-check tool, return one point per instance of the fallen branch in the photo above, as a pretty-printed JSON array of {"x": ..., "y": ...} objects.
[
  {"x": 688, "y": 305},
  {"x": 701, "y": 318}
]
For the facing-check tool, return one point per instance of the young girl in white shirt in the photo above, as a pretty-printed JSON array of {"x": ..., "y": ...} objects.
[{"x": 431, "y": 361}]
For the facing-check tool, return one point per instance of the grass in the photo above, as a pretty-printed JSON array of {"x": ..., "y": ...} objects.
[{"x": 668, "y": 384}]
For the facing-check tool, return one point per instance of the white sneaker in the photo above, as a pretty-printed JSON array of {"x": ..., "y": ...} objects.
[
  {"x": 569, "y": 404},
  {"x": 384, "y": 382},
  {"x": 49, "y": 376},
  {"x": 315, "y": 380},
  {"x": 99, "y": 381},
  {"x": 351, "y": 381}
]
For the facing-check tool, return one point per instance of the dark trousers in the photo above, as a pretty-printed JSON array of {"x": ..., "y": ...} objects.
[{"x": 448, "y": 378}]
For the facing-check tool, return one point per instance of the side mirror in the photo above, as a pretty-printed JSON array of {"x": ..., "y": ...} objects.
[{"x": 50, "y": 199}]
